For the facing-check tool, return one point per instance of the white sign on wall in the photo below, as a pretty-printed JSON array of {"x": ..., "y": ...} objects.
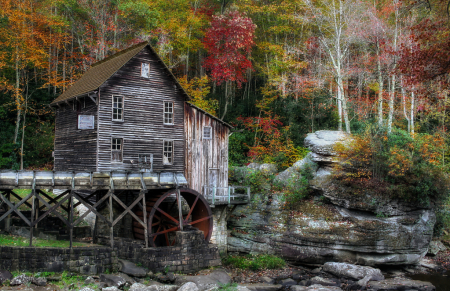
[{"x": 85, "y": 121}]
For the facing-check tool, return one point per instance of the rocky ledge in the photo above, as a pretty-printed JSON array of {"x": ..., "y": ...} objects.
[{"x": 339, "y": 224}]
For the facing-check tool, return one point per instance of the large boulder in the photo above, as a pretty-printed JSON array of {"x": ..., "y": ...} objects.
[
  {"x": 322, "y": 143},
  {"x": 316, "y": 232},
  {"x": 352, "y": 271},
  {"x": 293, "y": 172},
  {"x": 215, "y": 279},
  {"x": 131, "y": 269}
]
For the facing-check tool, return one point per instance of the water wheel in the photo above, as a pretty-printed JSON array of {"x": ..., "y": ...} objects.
[{"x": 163, "y": 216}]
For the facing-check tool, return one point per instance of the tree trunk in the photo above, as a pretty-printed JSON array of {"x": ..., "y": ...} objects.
[
  {"x": 380, "y": 88},
  {"x": 17, "y": 96}
]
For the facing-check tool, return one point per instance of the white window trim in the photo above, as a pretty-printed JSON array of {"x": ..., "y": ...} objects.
[
  {"x": 173, "y": 151},
  {"x": 210, "y": 132},
  {"x": 121, "y": 150},
  {"x": 164, "y": 112},
  {"x": 142, "y": 67},
  {"x": 112, "y": 108}
]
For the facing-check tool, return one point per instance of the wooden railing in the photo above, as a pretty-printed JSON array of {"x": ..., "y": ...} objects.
[{"x": 226, "y": 195}]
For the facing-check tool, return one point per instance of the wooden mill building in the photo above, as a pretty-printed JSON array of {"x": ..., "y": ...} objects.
[{"x": 129, "y": 113}]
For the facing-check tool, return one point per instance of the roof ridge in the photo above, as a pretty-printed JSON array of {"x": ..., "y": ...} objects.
[{"x": 119, "y": 53}]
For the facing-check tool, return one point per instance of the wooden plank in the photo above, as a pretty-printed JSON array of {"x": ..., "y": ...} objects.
[{"x": 128, "y": 209}]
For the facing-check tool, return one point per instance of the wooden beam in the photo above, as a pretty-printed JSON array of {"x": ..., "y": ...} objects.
[
  {"x": 91, "y": 208},
  {"x": 33, "y": 198},
  {"x": 15, "y": 208},
  {"x": 71, "y": 219},
  {"x": 52, "y": 209},
  {"x": 111, "y": 217},
  {"x": 128, "y": 210}
]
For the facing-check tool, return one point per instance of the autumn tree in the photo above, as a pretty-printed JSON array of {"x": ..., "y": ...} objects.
[{"x": 229, "y": 41}]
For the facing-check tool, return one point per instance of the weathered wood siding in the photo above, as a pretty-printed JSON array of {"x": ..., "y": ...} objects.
[
  {"x": 142, "y": 129},
  {"x": 75, "y": 149},
  {"x": 205, "y": 157}
]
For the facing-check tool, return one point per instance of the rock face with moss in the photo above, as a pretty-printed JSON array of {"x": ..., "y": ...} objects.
[{"x": 340, "y": 223}]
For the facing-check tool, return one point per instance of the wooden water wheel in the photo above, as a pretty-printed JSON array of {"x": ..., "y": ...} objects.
[{"x": 164, "y": 219}]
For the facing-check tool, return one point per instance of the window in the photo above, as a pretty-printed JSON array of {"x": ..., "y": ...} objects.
[
  {"x": 117, "y": 114},
  {"x": 116, "y": 149},
  {"x": 168, "y": 152},
  {"x": 168, "y": 112},
  {"x": 207, "y": 134},
  {"x": 145, "y": 70}
]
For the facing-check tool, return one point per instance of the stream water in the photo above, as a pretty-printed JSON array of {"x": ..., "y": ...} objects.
[{"x": 440, "y": 281}]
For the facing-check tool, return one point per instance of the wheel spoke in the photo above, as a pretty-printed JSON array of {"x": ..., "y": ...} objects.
[
  {"x": 190, "y": 210},
  {"x": 156, "y": 223},
  {"x": 155, "y": 234},
  {"x": 167, "y": 215},
  {"x": 200, "y": 220}
]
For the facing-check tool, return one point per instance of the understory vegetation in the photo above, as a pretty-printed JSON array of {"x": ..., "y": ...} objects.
[
  {"x": 19, "y": 241},
  {"x": 254, "y": 262}
]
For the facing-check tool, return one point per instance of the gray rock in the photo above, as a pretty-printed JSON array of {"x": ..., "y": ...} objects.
[
  {"x": 294, "y": 170},
  {"x": 166, "y": 278},
  {"x": 127, "y": 278},
  {"x": 142, "y": 287},
  {"x": 400, "y": 284},
  {"x": 323, "y": 141},
  {"x": 316, "y": 271},
  {"x": 111, "y": 289},
  {"x": 267, "y": 280},
  {"x": 131, "y": 269},
  {"x": 5, "y": 276},
  {"x": 86, "y": 289},
  {"x": 242, "y": 288},
  {"x": 89, "y": 280},
  {"x": 263, "y": 287},
  {"x": 352, "y": 271},
  {"x": 316, "y": 287},
  {"x": 435, "y": 247},
  {"x": 323, "y": 281},
  {"x": 112, "y": 280},
  {"x": 204, "y": 282},
  {"x": 41, "y": 281},
  {"x": 189, "y": 286},
  {"x": 19, "y": 280},
  {"x": 363, "y": 282},
  {"x": 288, "y": 282}
]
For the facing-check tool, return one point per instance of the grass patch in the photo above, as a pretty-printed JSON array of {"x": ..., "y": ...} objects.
[
  {"x": 254, "y": 262},
  {"x": 18, "y": 241}
]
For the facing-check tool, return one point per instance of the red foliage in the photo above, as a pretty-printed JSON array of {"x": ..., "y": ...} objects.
[{"x": 229, "y": 41}]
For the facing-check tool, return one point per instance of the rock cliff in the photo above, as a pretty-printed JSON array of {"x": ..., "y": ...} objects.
[{"x": 337, "y": 224}]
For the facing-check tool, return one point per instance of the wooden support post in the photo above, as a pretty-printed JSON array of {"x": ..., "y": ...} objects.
[
  {"x": 144, "y": 209},
  {"x": 180, "y": 211},
  {"x": 71, "y": 219},
  {"x": 8, "y": 218},
  {"x": 111, "y": 218},
  {"x": 33, "y": 198}
]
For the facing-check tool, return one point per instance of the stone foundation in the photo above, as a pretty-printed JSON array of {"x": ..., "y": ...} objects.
[
  {"x": 86, "y": 260},
  {"x": 189, "y": 254},
  {"x": 220, "y": 231}
]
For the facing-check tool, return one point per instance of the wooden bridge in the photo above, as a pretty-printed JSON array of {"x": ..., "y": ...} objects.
[{"x": 109, "y": 187}]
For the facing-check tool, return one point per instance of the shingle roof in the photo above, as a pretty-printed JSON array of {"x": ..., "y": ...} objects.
[{"x": 99, "y": 73}]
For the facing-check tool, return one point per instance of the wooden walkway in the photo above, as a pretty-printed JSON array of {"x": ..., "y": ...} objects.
[{"x": 105, "y": 187}]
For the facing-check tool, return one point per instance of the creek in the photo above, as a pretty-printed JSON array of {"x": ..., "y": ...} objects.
[{"x": 440, "y": 280}]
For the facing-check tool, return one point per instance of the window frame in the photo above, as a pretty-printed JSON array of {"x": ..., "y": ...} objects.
[
  {"x": 164, "y": 151},
  {"x": 116, "y": 150},
  {"x": 112, "y": 107},
  {"x": 210, "y": 132},
  {"x": 164, "y": 112},
  {"x": 142, "y": 68}
]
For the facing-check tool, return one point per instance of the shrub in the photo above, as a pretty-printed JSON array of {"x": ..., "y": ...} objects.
[
  {"x": 405, "y": 167},
  {"x": 254, "y": 262}
]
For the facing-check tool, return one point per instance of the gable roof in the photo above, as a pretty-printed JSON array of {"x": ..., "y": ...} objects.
[{"x": 101, "y": 71}]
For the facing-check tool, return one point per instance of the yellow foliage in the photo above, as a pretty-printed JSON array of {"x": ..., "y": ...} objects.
[{"x": 198, "y": 89}]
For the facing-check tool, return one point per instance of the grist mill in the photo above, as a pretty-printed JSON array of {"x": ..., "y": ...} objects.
[{"x": 151, "y": 166}]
